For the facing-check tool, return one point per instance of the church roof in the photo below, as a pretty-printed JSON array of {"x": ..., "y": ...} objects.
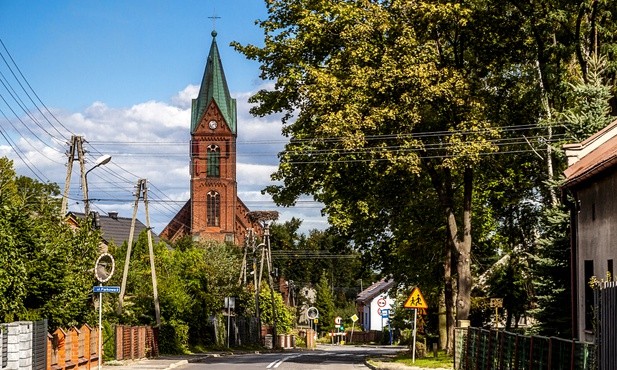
[{"x": 214, "y": 87}]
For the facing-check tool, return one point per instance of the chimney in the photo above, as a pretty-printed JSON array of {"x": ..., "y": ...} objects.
[{"x": 113, "y": 215}]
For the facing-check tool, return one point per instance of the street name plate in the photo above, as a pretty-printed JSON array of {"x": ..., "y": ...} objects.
[{"x": 106, "y": 289}]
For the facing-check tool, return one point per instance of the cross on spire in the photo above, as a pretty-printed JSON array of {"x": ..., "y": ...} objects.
[{"x": 214, "y": 17}]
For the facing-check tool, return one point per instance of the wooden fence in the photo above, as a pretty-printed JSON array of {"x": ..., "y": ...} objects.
[
  {"x": 135, "y": 342},
  {"x": 75, "y": 348}
]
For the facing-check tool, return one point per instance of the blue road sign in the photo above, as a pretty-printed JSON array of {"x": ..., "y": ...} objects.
[{"x": 106, "y": 289}]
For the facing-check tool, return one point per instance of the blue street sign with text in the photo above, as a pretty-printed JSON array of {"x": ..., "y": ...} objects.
[{"x": 106, "y": 289}]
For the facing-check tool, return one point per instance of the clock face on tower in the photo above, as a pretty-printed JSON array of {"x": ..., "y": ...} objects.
[{"x": 212, "y": 124}]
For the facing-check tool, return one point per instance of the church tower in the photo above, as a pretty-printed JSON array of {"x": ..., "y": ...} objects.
[{"x": 214, "y": 211}]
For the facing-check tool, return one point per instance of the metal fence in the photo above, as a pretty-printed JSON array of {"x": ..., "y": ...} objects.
[
  {"x": 244, "y": 331},
  {"x": 605, "y": 303},
  {"x": 481, "y": 349}
]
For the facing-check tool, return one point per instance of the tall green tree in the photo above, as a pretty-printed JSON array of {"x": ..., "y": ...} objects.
[
  {"x": 380, "y": 91},
  {"x": 588, "y": 111},
  {"x": 392, "y": 104},
  {"x": 47, "y": 265},
  {"x": 324, "y": 302}
]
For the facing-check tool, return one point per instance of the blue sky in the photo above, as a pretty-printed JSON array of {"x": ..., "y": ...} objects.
[
  {"x": 125, "y": 52},
  {"x": 122, "y": 75}
]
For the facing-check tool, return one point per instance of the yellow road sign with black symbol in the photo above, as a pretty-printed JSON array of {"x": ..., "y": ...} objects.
[{"x": 415, "y": 300}]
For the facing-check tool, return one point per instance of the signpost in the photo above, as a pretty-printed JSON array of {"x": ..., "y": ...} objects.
[
  {"x": 415, "y": 301},
  {"x": 337, "y": 324},
  {"x": 385, "y": 314},
  {"x": 230, "y": 303},
  {"x": 497, "y": 303},
  {"x": 312, "y": 313},
  {"x": 354, "y": 318},
  {"x": 103, "y": 270}
]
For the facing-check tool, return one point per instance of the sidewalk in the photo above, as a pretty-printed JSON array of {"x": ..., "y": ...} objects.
[{"x": 159, "y": 363}]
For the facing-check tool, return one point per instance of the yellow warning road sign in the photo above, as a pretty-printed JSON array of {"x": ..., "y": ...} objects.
[{"x": 415, "y": 300}]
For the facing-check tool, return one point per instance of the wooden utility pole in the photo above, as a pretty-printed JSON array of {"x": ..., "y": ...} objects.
[
  {"x": 270, "y": 279},
  {"x": 142, "y": 192},
  {"x": 76, "y": 147},
  {"x": 243, "y": 269},
  {"x": 263, "y": 217}
]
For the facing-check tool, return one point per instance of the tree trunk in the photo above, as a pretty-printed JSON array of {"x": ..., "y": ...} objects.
[
  {"x": 463, "y": 248},
  {"x": 448, "y": 296},
  {"x": 443, "y": 325},
  {"x": 459, "y": 252}
]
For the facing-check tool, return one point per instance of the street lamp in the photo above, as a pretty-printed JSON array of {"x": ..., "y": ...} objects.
[{"x": 101, "y": 161}]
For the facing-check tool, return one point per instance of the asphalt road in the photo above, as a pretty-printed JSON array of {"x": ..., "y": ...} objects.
[{"x": 325, "y": 357}]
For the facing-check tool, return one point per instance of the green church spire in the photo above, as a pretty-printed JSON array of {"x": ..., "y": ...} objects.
[{"x": 214, "y": 87}]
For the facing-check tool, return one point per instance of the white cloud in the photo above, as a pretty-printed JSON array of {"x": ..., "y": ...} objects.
[
  {"x": 151, "y": 140},
  {"x": 184, "y": 98}
]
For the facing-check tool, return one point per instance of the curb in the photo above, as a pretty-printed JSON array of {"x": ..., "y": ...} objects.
[{"x": 369, "y": 365}]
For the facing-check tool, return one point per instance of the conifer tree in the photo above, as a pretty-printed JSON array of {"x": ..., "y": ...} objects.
[{"x": 588, "y": 112}]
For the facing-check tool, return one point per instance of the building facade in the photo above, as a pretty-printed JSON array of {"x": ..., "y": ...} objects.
[
  {"x": 373, "y": 305},
  {"x": 591, "y": 178}
]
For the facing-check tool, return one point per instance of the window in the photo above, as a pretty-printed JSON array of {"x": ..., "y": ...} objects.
[
  {"x": 588, "y": 295},
  {"x": 213, "y": 209},
  {"x": 593, "y": 211},
  {"x": 214, "y": 161},
  {"x": 610, "y": 270},
  {"x": 194, "y": 148}
]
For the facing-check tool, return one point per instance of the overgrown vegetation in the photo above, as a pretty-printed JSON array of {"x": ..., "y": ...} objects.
[{"x": 431, "y": 132}]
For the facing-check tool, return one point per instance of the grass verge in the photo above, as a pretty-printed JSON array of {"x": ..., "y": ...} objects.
[{"x": 442, "y": 361}]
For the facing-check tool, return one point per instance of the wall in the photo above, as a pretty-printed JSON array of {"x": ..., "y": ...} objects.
[
  {"x": 374, "y": 319},
  {"x": 595, "y": 234}
]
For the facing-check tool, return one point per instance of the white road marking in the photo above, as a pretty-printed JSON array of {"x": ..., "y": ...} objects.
[{"x": 277, "y": 363}]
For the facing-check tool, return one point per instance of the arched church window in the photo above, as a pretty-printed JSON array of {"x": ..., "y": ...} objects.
[
  {"x": 213, "y": 208},
  {"x": 214, "y": 161}
]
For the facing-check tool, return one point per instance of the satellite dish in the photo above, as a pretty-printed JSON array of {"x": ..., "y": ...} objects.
[{"x": 104, "y": 267}]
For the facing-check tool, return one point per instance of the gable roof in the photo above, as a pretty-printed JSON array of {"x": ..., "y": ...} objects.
[
  {"x": 214, "y": 87},
  {"x": 117, "y": 229},
  {"x": 592, "y": 156},
  {"x": 374, "y": 290}
]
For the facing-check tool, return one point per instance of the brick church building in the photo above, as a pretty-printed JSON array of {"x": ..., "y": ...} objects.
[{"x": 214, "y": 210}]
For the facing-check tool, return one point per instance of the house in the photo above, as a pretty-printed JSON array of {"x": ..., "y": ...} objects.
[
  {"x": 114, "y": 229},
  {"x": 591, "y": 178},
  {"x": 214, "y": 211},
  {"x": 372, "y": 304}
]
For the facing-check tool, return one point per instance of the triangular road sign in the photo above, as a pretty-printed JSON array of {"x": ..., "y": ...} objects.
[{"x": 415, "y": 300}]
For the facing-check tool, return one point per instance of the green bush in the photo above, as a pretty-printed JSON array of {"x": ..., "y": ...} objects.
[
  {"x": 109, "y": 341},
  {"x": 173, "y": 337}
]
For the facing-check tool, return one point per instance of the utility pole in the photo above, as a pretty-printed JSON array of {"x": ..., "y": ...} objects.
[
  {"x": 76, "y": 147},
  {"x": 256, "y": 283},
  {"x": 243, "y": 275},
  {"x": 262, "y": 218},
  {"x": 155, "y": 291},
  {"x": 270, "y": 278},
  {"x": 142, "y": 191}
]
